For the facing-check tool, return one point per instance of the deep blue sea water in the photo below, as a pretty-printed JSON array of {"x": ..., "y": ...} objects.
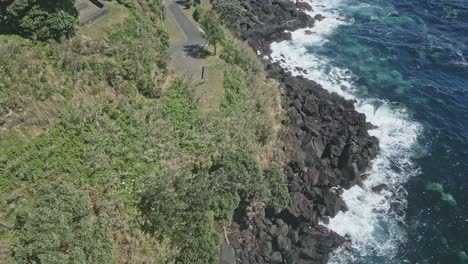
[{"x": 406, "y": 64}]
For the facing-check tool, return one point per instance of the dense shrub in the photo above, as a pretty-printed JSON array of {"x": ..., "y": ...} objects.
[
  {"x": 233, "y": 85},
  {"x": 39, "y": 19},
  {"x": 138, "y": 51},
  {"x": 62, "y": 228},
  {"x": 22, "y": 67},
  {"x": 180, "y": 107},
  {"x": 278, "y": 187},
  {"x": 203, "y": 246},
  {"x": 127, "y": 3},
  {"x": 236, "y": 53},
  {"x": 198, "y": 13},
  {"x": 230, "y": 13}
]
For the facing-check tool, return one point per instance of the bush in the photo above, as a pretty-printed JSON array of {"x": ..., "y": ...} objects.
[
  {"x": 62, "y": 228},
  {"x": 137, "y": 53},
  {"x": 279, "y": 194},
  {"x": 237, "y": 53},
  {"x": 39, "y": 20},
  {"x": 180, "y": 108},
  {"x": 198, "y": 13},
  {"x": 203, "y": 247},
  {"x": 230, "y": 13},
  {"x": 212, "y": 29},
  {"x": 230, "y": 54},
  {"x": 127, "y": 3},
  {"x": 233, "y": 85}
]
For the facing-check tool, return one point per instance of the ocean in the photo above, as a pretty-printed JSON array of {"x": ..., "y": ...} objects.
[{"x": 406, "y": 65}]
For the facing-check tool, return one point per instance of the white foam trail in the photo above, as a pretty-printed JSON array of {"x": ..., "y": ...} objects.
[{"x": 373, "y": 221}]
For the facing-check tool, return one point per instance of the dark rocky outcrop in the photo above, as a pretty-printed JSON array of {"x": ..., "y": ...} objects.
[
  {"x": 265, "y": 21},
  {"x": 327, "y": 146}
]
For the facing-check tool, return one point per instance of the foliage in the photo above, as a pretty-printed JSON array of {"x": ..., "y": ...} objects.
[
  {"x": 203, "y": 247},
  {"x": 39, "y": 19},
  {"x": 62, "y": 228},
  {"x": 180, "y": 107},
  {"x": 127, "y": 3},
  {"x": 236, "y": 53},
  {"x": 22, "y": 67},
  {"x": 175, "y": 202},
  {"x": 167, "y": 169},
  {"x": 198, "y": 13},
  {"x": 233, "y": 87},
  {"x": 137, "y": 50},
  {"x": 278, "y": 187},
  {"x": 189, "y": 3},
  {"x": 230, "y": 13},
  {"x": 212, "y": 29}
]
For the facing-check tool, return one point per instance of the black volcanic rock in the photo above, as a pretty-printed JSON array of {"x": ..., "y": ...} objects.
[
  {"x": 328, "y": 148},
  {"x": 265, "y": 21}
]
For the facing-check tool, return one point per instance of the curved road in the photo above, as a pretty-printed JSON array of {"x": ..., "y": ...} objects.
[{"x": 187, "y": 56}]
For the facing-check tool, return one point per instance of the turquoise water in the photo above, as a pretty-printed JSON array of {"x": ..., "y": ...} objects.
[
  {"x": 405, "y": 62},
  {"x": 415, "y": 53}
]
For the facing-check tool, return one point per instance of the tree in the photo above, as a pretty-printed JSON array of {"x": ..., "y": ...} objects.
[
  {"x": 189, "y": 3},
  {"x": 214, "y": 33},
  {"x": 230, "y": 12},
  {"x": 62, "y": 228},
  {"x": 38, "y": 19}
]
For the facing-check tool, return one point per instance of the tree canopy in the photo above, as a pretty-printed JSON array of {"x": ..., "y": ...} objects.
[
  {"x": 38, "y": 19},
  {"x": 62, "y": 228},
  {"x": 214, "y": 33}
]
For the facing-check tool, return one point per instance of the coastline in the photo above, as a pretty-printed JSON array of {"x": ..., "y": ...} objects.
[{"x": 327, "y": 145}]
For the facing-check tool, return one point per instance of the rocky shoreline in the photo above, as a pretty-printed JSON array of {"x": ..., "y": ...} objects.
[{"x": 327, "y": 146}]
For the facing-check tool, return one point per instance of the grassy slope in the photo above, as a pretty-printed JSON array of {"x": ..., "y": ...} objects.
[{"x": 120, "y": 147}]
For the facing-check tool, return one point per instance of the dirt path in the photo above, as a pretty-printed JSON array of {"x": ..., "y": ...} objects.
[{"x": 187, "y": 51}]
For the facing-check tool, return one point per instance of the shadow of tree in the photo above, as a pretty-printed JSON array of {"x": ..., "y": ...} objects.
[
  {"x": 196, "y": 51},
  {"x": 182, "y": 3}
]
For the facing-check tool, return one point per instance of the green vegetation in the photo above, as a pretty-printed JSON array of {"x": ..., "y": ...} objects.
[
  {"x": 131, "y": 58},
  {"x": 62, "y": 228},
  {"x": 189, "y": 3},
  {"x": 212, "y": 29},
  {"x": 198, "y": 13},
  {"x": 233, "y": 86},
  {"x": 136, "y": 54},
  {"x": 230, "y": 12},
  {"x": 38, "y": 20},
  {"x": 278, "y": 188},
  {"x": 129, "y": 173}
]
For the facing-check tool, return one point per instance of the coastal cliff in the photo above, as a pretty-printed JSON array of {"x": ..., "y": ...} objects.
[{"x": 327, "y": 145}]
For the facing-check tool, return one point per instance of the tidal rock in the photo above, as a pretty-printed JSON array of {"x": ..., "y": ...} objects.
[
  {"x": 319, "y": 17},
  {"x": 303, "y": 6},
  {"x": 379, "y": 188}
]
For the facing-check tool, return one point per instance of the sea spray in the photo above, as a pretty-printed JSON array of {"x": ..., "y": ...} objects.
[{"x": 374, "y": 219}]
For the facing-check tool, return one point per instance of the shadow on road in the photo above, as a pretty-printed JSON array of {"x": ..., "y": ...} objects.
[
  {"x": 182, "y": 2},
  {"x": 196, "y": 51}
]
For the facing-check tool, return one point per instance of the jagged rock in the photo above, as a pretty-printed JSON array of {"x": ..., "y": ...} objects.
[
  {"x": 276, "y": 258},
  {"x": 333, "y": 203},
  {"x": 379, "y": 188},
  {"x": 319, "y": 17},
  {"x": 301, "y": 207},
  {"x": 303, "y": 6},
  {"x": 283, "y": 243},
  {"x": 327, "y": 146}
]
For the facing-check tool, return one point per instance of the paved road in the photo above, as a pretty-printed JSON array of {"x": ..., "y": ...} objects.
[
  {"x": 187, "y": 56},
  {"x": 192, "y": 33}
]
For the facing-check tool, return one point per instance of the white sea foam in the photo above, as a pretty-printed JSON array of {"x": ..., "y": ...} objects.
[{"x": 373, "y": 221}]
